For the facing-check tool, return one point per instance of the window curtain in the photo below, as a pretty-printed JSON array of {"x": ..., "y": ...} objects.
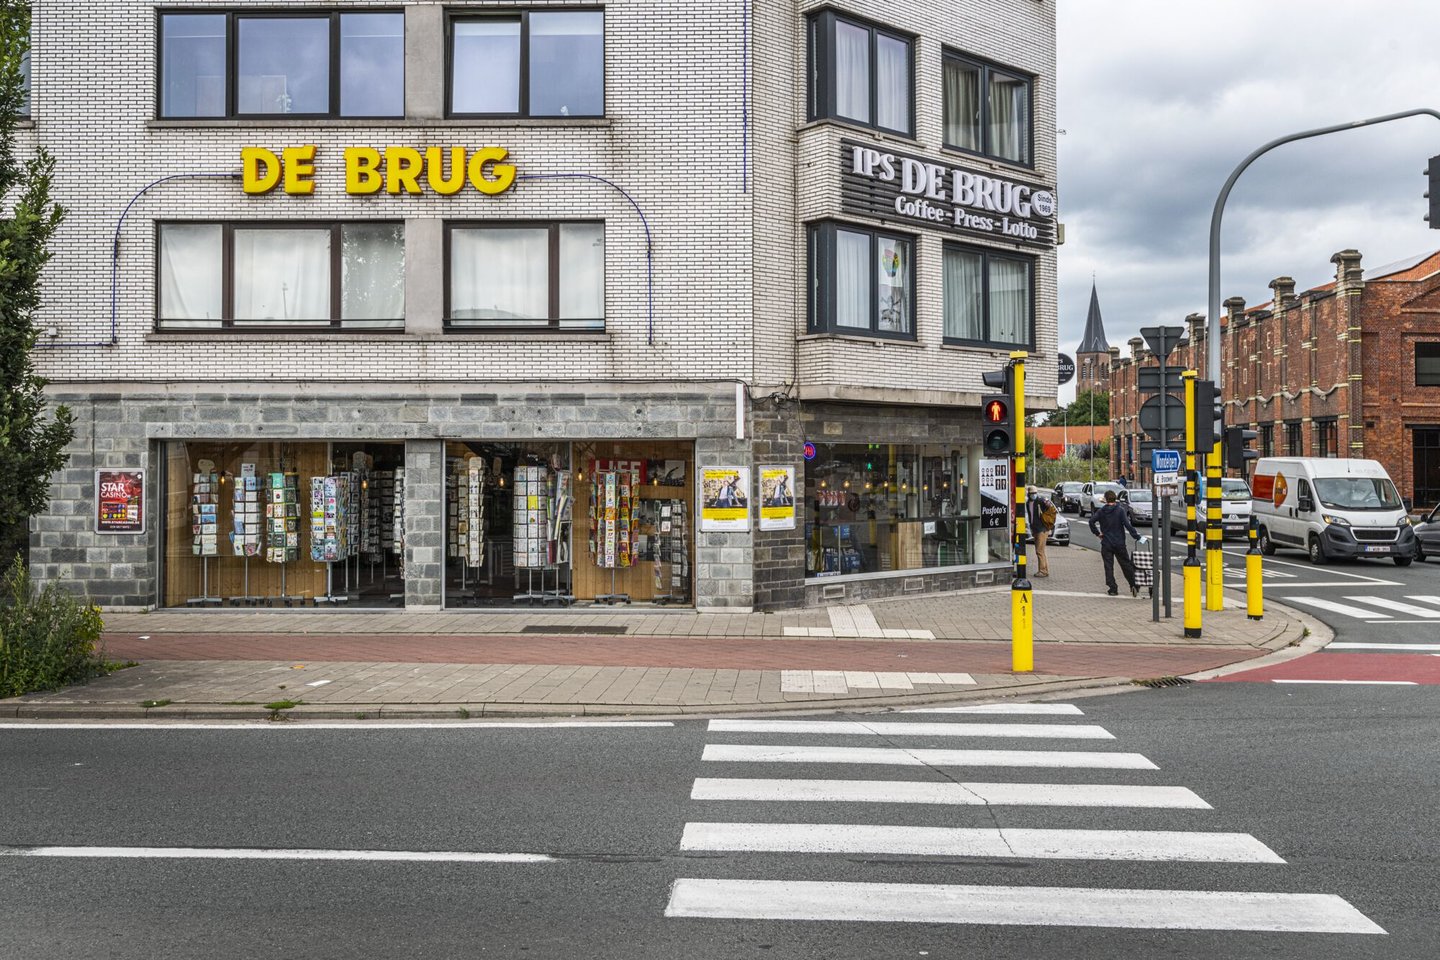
[
  {"x": 893, "y": 280},
  {"x": 964, "y": 296},
  {"x": 852, "y": 279},
  {"x": 852, "y": 72},
  {"x": 582, "y": 275},
  {"x": 282, "y": 275},
  {"x": 962, "y": 105},
  {"x": 1009, "y": 118},
  {"x": 372, "y": 272},
  {"x": 190, "y": 271},
  {"x": 1009, "y": 301},
  {"x": 892, "y": 76},
  {"x": 501, "y": 275}
]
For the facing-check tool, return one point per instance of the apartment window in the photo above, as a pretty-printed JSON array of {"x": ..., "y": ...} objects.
[
  {"x": 531, "y": 63},
  {"x": 1293, "y": 445},
  {"x": 1327, "y": 438},
  {"x": 988, "y": 110},
  {"x": 25, "y": 84},
  {"x": 861, "y": 73},
  {"x": 300, "y": 64},
  {"x": 517, "y": 275},
  {"x": 1267, "y": 440},
  {"x": 989, "y": 297},
  {"x": 1427, "y": 364},
  {"x": 862, "y": 281},
  {"x": 267, "y": 276}
]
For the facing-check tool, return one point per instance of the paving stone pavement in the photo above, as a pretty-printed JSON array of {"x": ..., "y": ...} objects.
[{"x": 397, "y": 663}]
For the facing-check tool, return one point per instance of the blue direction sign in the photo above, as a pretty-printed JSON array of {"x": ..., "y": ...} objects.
[{"x": 1165, "y": 461}]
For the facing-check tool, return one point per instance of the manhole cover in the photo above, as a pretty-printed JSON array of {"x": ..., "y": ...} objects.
[{"x": 572, "y": 628}]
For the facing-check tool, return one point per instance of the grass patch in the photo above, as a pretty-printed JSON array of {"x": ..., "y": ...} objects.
[
  {"x": 464, "y": 714},
  {"x": 156, "y": 703},
  {"x": 114, "y": 666},
  {"x": 48, "y": 637},
  {"x": 277, "y": 708}
]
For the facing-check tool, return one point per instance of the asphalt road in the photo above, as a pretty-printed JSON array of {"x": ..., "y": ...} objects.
[{"x": 1337, "y": 782}]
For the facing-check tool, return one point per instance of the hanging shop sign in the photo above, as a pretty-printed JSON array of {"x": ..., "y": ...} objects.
[
  {"x": 119, "y": 501},
  {"x": 913, "y": 190},
  {"x": 1065, "y": 371},
  {"x": 725, "y": 498},
  {"x": 394, "y": 170},
  {"x": 777, "y": 498},
  {"x": 994, "y": 494}
]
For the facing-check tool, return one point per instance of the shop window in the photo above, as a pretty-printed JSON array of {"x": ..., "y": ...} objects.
[
  {"x": 987, "y": 110},
  {"x": 526, "y": 275},
  {"x": 260, "y": 276},
  {"x": 989, "y": 298},
  {"x": 301, "y": 64},
  {"x": 861, "y": 73},
  {"x": 862, "y": 282},
  {"x": 876, "y": 508},
  {"x": 1427, "y": 364},
  {"x": 529, "y": 64}
]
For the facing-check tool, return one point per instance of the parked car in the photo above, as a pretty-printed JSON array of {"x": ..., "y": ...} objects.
[
  {"x": 1060, "y": 536},
  {"x": 1427, "y": 535},
  {"x": 1140, "y": 504},
  {"x": 1092, "y": 496},
  {"x": 1235, "y": 507},
  {"x": 1067, "y": 496},
  {"x": 1331, "y": 508}
]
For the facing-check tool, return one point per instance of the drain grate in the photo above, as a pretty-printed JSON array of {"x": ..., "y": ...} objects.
[
  {"x": 572, "y": 628},
  {"x": 1163, "y": 682}
]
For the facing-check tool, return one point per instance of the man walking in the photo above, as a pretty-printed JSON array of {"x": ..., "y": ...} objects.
[
  {"x": 1110, "y": 523},
  {"x": 1040, "y": 515}
]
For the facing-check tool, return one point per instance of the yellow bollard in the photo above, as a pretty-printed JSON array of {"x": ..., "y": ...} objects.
[
  {"x": 1022, "y": 626},
  {"x": 1254, "y": 587}
]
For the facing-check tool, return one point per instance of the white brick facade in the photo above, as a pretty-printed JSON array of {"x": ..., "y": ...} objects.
[{"x": 704, "y": 127}]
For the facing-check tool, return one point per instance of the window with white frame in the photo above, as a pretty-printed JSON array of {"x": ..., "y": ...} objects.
[
  {"x": 861, "y": 73},
  {"x": 988, "y": 109},
  {"x": 527, "y": 63},
  {"x": 305, "y": 63},
  {"x": 989, "y": 297},
  {"x": 273, "y": 276},
  {"x": 526, "y": 275},
  {"x": 862, "y": 281}
]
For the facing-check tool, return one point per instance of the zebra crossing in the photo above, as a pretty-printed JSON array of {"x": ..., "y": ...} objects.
[
  {"x": 1372, "y": 608},
  {"x": 871, "y": 805}
]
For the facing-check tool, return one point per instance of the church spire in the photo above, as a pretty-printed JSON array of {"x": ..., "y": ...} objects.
[{"x": 1094, "y": 339}]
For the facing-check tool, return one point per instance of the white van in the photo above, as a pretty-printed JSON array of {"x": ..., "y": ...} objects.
[{"x": 1330, "y": 508}]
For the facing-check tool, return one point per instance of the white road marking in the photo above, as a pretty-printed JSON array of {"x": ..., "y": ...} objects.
[
  {"x": 1423, "y": 598},
  {"x": 1397, "y": 606},
  {"x": 259, "y": 853},
  {"x": 946, "y": 792},
  {"x": 1383, "y": 683},
  {"x": 1027, "y": 906},
  {"x": 1064, "y": 709},
  {"x": 893, "y": 756},
  {"x": 318, "y": 683},
  {"x": 1349, "y": 611},
  {"x": 350, "y": 725},
  {"x": 1181, "y": 846},
  {"x": 1268, "y": 561},
  {"x": 1408, "y": 647},
  {"x": 1057, "y": 731},
  {"x": 839, "y": 681}
]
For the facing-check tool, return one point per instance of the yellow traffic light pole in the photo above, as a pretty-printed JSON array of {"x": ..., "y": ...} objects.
[
  {"x": 1214, "y": 532},
  {"x": 1192, "y": 477},
  {"x": 1022, "y": 609}
]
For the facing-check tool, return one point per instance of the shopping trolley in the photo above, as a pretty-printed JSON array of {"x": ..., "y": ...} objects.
[{"x": 1144, "y": 558}]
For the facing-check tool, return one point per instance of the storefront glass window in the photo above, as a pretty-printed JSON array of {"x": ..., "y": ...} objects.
[{"x": 876, "y": 508}]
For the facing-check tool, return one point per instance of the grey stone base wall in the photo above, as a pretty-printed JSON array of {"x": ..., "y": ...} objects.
[
  {"x": 825, "y": 591},
  {"x": 779, "y": 554}
]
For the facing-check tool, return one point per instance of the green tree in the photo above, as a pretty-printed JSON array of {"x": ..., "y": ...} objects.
[
  {"x": 1089, "y": 407},
  {"x": 32, "y": 443}
]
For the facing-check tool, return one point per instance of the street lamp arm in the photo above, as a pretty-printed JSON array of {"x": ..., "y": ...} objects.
[{"x": 1212, "y": 347}]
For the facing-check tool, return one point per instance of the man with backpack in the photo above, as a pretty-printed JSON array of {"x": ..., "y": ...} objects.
[
  {"x": 1040, "y": 515},
  {"x": 1110, "y": 523}
]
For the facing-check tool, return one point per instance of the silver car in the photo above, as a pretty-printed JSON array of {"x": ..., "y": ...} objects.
[
  {"x": 1092, "y": 496},
  {"x": 1427, "y": 533},
  {"x": 1140, "y": 504}
]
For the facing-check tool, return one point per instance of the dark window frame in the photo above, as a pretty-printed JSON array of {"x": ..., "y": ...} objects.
[
  {"x": 1267, "y": 439},
  {"x": 522, "y": 15},
  {"x": 1434, "y": 351},
  {"x": 552, "y": 324},
  {"x": 820, "y": 42},
  {"x": 232, "y": 61},
  {"x": 822, "y": 279},
  {"x": 987, "y": 254},
  {"x": 1294, "y": 438},
  {"x": 1326, "y": 431},
  {"x": 986, "y": 67},
  {"x": 228, "y": 321}
]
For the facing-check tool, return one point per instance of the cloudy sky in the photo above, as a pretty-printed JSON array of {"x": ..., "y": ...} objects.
[{"x": 1159, "y": 101}]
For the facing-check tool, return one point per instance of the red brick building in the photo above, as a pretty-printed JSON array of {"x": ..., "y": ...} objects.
[{"x": 1347, "y": 369}]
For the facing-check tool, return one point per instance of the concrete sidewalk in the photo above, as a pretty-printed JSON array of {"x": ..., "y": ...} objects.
[{"x": 343, "y": 664}]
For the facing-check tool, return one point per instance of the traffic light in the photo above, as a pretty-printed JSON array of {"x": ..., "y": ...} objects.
[
  {"x": 1237, "y": 448},
  {"x": 1004, "y": 378},
  {"x": 998, "y": 430},
  {"x": 1209, "y": 416},
  {"x": 1432, "y": 174}
]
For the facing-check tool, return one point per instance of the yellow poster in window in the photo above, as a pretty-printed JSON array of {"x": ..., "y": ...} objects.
[
  {"x": 725, "y": 498},
  {"x": 777, "y": 498}
]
